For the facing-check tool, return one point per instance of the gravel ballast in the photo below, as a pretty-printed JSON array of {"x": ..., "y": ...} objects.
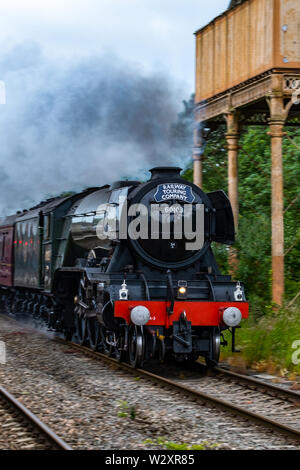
[{"x": 92, "y": 405}]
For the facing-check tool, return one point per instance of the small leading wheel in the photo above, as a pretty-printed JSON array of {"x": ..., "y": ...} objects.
[
  {"x": 7, "y": 305},
  {"x": 212, "y": 358},
  {"x": 136, "y": 346},
  {"x": 93, "y": 331},
  {"x": 80, "y": 328},
  {"x": 79, "y": 314},
  {"x": 161, "y": 350},
  {"x": 106, "y": 347},
  {"x": 68, "y": 333},
  {"x": 119, "y": 349}
]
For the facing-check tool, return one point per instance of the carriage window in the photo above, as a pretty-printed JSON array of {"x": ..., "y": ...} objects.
[
  {"x": 47, "y": 226},
  {"x": 3, "y": 247}
]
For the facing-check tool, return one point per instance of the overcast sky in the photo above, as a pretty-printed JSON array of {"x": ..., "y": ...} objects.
[
  {"x": 94, "y": 88},
  {"x": 155, "y": 34}
]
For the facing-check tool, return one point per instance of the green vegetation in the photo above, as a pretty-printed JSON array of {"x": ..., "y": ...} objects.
[
  {"x": 169, "y": 445},
  {"x": 254, "y": 238},
  {"x": 269, "y": 344},
  {"x": 126, "y": 411},
  {"x": 267, "y": 338}
]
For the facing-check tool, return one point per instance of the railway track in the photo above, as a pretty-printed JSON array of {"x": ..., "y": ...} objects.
[
  {"x": 266, "y": 405},
  {"x": 20, "y": 429},
  {"x": 259, "y": 385}
]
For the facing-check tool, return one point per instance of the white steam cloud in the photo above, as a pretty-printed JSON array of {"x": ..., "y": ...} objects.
[{"x": 66, "y": 126}]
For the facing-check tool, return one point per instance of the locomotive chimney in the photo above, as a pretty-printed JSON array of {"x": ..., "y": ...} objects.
[{"x": 163, "y": 171}]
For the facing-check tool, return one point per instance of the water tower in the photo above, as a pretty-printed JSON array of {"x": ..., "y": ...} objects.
[{"x": 248, "y": 72}]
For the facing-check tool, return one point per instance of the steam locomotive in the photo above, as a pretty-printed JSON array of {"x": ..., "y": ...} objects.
[{"x": 127, "y": 269}]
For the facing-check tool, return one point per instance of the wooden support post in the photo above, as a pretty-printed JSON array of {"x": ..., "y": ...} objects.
[
  {"x": 278, "y": 115},
  {"x": 276, "y": 133},
  {"x": 198, "y": 155},
  {"x": 198, "y": 175},
  {"x": 232, "y": 137}
]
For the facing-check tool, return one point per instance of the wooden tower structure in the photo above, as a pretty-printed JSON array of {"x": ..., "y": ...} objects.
[{"x": 248, "y": 73}]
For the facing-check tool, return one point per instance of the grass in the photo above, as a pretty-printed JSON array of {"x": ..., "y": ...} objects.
[
  {"x": 126, "y": 411},
  {"x": 270, "y": 343},
  {"x": 169, "y": 445}
]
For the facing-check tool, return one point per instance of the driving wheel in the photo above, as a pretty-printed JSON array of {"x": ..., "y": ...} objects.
[{"x": 136, "y": 346}]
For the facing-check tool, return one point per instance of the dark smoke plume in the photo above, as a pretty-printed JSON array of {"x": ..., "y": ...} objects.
[{"x": 69, "y": 126}]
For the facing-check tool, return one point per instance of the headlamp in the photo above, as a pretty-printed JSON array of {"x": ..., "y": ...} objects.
[{"x": 182, "y": 290}]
